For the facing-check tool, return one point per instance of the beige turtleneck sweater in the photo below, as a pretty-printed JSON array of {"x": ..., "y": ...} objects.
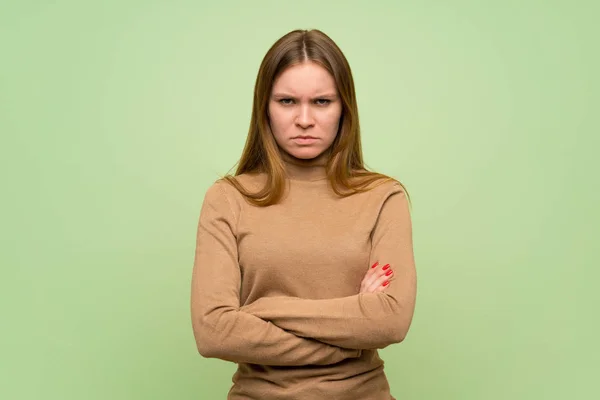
[{"x": 276, "y": 289}]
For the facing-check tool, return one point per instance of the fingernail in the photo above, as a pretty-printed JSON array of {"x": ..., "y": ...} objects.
[
  {"x": 374, "y": 265},
  {"x": 386, "y": 266},
  {"x": 386, "y": 283},
  {"x": 389, "y": 272}
]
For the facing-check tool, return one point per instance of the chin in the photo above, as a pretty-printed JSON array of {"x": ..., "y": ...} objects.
[{"x": 305, "y": 154}]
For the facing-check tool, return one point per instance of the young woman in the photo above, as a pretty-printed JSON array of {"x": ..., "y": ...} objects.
[{"x": 304, "y": 262}]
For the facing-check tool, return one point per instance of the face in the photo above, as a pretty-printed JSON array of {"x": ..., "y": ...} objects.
[{"x": 305, "y": 111}]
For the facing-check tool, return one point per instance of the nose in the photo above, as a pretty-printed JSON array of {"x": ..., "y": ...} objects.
[{"x": 304, "y": 119}]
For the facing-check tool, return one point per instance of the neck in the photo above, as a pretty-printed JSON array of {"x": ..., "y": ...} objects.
[{"x": 305, "y": 170}]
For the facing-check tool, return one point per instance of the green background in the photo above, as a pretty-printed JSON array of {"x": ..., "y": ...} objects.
[{"x": 116, "y": 117}]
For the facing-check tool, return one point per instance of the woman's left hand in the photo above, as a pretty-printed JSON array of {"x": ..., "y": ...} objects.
[{"x": 376, "y": 279}]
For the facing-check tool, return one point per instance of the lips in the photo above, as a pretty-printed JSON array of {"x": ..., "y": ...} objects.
[{"x": 305, "y": 137}]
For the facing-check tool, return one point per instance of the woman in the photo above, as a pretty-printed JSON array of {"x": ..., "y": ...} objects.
[{"x": 304, "y": 263}]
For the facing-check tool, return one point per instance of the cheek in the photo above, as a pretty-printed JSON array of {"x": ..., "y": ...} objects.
[
  {"x": 279, "y": 118},
  {"x": 275, "y": 122},
  {"x": 331, "y": 121}
]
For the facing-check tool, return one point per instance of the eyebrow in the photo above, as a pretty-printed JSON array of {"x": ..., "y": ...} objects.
[{"x": 286, "y": 95}]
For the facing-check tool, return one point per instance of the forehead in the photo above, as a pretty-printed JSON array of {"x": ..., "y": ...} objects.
[{"x": 305, "y": 79}]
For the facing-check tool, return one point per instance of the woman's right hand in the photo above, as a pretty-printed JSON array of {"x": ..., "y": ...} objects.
[{"x": 376, "y": 279}]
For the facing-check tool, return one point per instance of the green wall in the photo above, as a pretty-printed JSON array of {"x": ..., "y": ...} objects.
[{"x": 115, "y": 117}]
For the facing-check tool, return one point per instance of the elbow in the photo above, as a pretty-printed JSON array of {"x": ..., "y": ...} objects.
[
  {"x": 204, "y": 350},
  {"x": 210, "y": 346},
  {"x": 204, "y": 343},
  {"x": 211, "y": 341},
  {"x": 208, "y": 351},
  {"x": 391, "y": 334},
  {"x": 397, "y": 334},
  {"x": 397, "y": 323},
  {"x": 396, "y": 329},
  {"x": 206, "y": 340}
]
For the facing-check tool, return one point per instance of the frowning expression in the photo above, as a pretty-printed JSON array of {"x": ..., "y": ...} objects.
[{"x": 305, "y": 110}]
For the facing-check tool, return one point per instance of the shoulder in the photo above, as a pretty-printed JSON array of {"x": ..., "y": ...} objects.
[
  {"x": 391, "y": 187},
  {"x": 224, "y": 201},
  {"x": 384, "y": 186},
  {"x": 252, "y": 181},
  {"x": 393, "y": 191},
  {"x": 223, "y": 190},
  {"x": 394, "y": 200},
  {"x": 216, "y": 200},
  {"x": 384, "y": 194}
]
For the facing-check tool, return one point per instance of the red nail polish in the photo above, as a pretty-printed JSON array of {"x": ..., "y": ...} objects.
[
  {"x": 386, "y": 266},
  {"x": 386, "y": 283},
  {"x": 376, "y": 264},
  {"x": 388, "y": 273}
]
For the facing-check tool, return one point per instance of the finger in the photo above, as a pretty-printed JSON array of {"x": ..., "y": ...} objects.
[
  {"x": 378, "y": 287},
  {"x": 381, "y": 289},
  {"x": 369, "y": 274},
  {"x": 378, "y": 274},
  {"x": 382, "y": 282}
]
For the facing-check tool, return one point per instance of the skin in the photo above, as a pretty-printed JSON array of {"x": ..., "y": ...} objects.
[
  {"x": 377, "y": 278},
  {"x": 305, "y": 101}
]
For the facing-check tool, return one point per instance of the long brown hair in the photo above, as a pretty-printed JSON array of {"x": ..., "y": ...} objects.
[{"x": 346, "y": 171}]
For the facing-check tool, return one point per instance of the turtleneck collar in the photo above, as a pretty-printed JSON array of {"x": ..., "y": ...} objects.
[{"x": 305, "y": 170}]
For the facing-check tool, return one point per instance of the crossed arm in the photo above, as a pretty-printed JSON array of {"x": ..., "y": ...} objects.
[
  {"x": 291, "y": 331},
  {"x": 221, "y": 329},
  {"x": 365, "y": 320}
]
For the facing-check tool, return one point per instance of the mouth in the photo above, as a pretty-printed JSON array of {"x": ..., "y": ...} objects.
[{"x": 305, "y": 140}]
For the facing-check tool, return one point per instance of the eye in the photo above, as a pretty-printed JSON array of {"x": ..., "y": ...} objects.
[
  {"x": 286, "y": 102},
  {"x": 322, "y": 102}
]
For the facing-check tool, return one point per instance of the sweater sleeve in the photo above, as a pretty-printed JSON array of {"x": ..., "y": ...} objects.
[
  {"x": 365, "y": 320},
  {"x": 220, "y": 329}
]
